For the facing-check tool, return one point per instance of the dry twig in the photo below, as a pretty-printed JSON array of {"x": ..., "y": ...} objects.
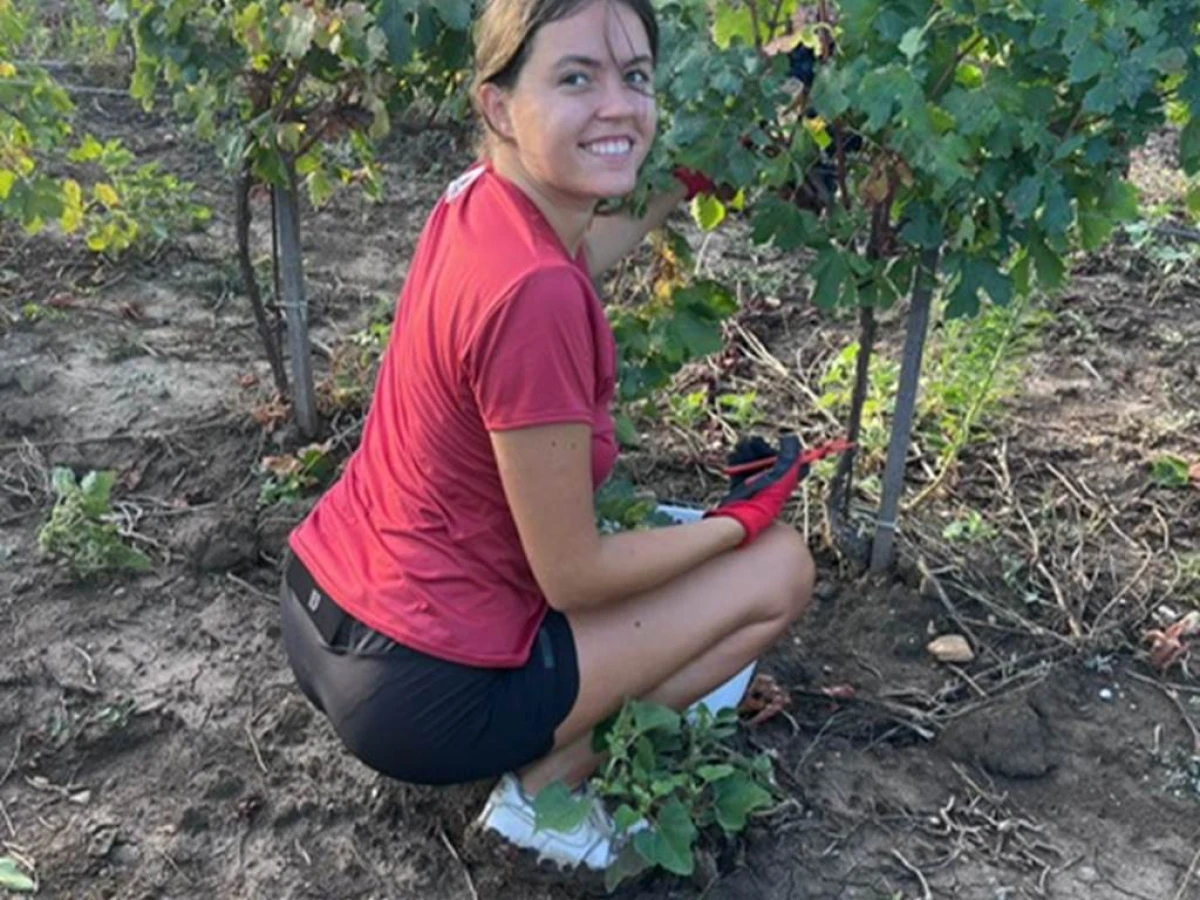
[
  {"x": 254, "y": 746},
  {"x": 926, "y": 894},
  {"x": 1187, "y": 876},
  {"x": 1174, "y": 698},
  {"x": 458, "y": 859}
]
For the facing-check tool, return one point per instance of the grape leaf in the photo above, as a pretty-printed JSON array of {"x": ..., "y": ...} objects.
[
  {"x": 455, "y": 13},
  {"x": 13, "y": 879},
  {"x": 831, "y": 272},
  {"x": 1189, "y": 144},
  {"x": 556, "y": 808},
  {"x": 708, "y": 211},
  {"x": 669, "y": 842},
  {"x": 393, "y": 20},
  {"x": 735, "y": 798},
  {"x": 922, "y": 227}
]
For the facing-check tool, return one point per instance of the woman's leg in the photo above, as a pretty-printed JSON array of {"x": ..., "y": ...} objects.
[{"x": 674, "y": 644}]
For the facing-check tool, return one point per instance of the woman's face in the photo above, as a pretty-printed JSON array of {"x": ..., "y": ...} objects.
[{"x": 582, "y": 116}]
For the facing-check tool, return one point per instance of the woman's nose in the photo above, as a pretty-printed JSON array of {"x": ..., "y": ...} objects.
[{"x": 619, "y": 100}]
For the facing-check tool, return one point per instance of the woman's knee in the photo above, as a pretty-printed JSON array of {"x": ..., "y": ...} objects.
[{"x": 789, "y": 567}]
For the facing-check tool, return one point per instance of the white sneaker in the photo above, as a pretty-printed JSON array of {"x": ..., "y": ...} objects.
[{"x": 509, "y": 813}]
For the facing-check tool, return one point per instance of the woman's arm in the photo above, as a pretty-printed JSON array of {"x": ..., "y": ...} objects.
[
  {"x": 611, "y": 238},
  {"x": 546, "y": 472}
]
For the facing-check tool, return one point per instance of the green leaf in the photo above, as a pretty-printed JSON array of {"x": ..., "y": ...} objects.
[
  {"x": 878, "y": 96},
  {"x": 628, "y": 864},
  {"x": 1024, "y": 197},
  {"x": 690, "y": 337},
  {"x": 1192, "y": 201},
  {"x": 556, "y": 808},
  {"x": 1094, "y": 228},
  {"x": 731, "y": 22},
  {"x": 455, "y": 13},
  {"x": 643, "y": 754},
  {"x": 1121, "y": 200},
  {"x": 96, "y": 489},
  {"x": 7, "y": 179},
  {"x": 784, "y": 223},
  {"x": 669, "y": 842},
  {"x": 394, "y": 22},
  {"x": 708, "y": 211},
  {"x": 831, "y": 272},
  {"x": 625, "y": 818},
  {"x": 13, "y": 879},
  {"x": 976, "y": 274},
  {"x": 1087, "y": 63},
  {"x": 913, "y": 43},
  {"x": 131, "y": 558},
  {"x": 626, "y": 432},
  {"x": 73, "y": 207},
  {"x": 653, "y": 717},
  {"x": 89, "y": 150},
  {"x": 922, "y": 227},
  {"x": 735, "y": 798},
  {"x": 1103, "y": 97},
  {"x": 1056, "y": 215},
  {"x": 1189, "y": 145},
  {"x": 320, "y": 188},
  {"x": 714, "y": 772},
  {"x": 62, "y": 480},
  {"x": 1170, "y": 471},
  {"x": 1051, "y": 270},
  {"x": 299, "y": 26}
]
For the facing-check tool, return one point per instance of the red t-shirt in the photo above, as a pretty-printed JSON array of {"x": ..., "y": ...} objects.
[{"x": 497, "y": 328}]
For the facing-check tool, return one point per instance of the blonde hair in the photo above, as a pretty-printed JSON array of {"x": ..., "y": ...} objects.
[{"x": 504, "y": 32}]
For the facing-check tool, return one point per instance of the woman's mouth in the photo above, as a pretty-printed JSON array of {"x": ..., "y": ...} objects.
[{"x": 609, "y": 148}]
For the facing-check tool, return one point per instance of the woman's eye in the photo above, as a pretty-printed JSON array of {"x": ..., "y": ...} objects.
[
  {"x": 638, "y": 78},
  {"x": 575, "y": 79}
]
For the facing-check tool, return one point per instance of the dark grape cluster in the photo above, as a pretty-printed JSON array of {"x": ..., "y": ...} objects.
[{"x": 802, "y": 64}]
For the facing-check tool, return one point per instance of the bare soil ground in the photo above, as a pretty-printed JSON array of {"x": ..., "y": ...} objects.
[{"x": 153, "y": 743}]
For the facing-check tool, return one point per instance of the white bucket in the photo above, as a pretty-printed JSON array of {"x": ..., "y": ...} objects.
[{"x": 729, "y": 694}]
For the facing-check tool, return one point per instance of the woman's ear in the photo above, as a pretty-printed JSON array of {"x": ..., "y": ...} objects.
[{"x": 493, "y": 104}]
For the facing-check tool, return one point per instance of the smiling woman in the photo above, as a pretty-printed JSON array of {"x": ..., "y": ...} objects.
[
  {"x": 449, "y": 603},
  {"x": 579, "y": 120}
]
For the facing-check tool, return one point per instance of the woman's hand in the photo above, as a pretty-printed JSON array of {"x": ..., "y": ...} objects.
[{"x": 763, "y": 481}]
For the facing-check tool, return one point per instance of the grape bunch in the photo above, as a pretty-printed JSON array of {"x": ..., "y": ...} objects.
[{"x": 821, "y": 184}]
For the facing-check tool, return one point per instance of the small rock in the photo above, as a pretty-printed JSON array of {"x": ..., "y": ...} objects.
[
  {"x": 33, "y": 380},
  {"x": 951, "y": 648},
  {"x": 825, "y": 591},
  {"x": 103, "y": 838},
  {"x": 1106, "y": 694}
]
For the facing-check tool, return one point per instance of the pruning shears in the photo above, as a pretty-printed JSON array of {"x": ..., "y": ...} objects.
[{"x": 808, "y": 457}]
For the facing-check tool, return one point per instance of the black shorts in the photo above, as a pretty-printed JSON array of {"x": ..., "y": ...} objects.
[{"x": 415, "y": 717}]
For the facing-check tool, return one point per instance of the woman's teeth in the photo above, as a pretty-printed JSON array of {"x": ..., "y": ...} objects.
[{"x": 618, "y": 147}]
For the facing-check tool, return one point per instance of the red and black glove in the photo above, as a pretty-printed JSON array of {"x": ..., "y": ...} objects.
[{"x": 763, "y": 479}]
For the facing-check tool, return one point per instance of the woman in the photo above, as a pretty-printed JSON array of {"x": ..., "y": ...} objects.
[{"x": 449, "y": 603}]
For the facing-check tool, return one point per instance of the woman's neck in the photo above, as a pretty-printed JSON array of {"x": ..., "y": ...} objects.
[{"x": 570, "y": 217}]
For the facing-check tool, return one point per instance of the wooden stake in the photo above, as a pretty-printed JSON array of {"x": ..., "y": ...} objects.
[{"x": 883, "y": 547}]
